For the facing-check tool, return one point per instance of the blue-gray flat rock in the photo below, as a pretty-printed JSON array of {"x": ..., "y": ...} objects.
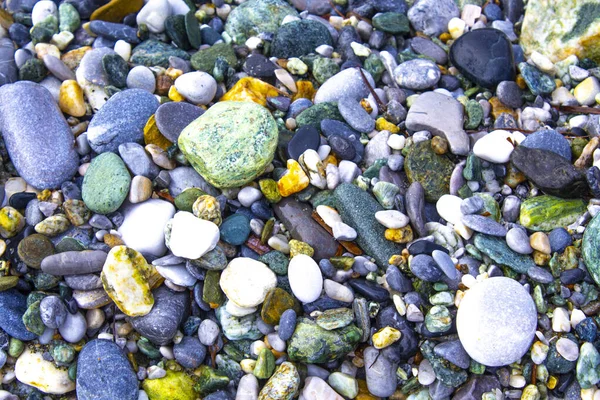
[
  {"x": 38, "y": 139},
  {"x": 8, "y": 68},
  {"x": 104, "y": 373},
  {"x": 13, "y": 305},
  {"x": 121, "y": 120},
  {"x": 173, "y": 117},
  {"x": 549, "y": 139}
]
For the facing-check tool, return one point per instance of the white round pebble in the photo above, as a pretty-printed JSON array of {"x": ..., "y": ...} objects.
[
  {"x": 392, "y": 219},
  {"x": 197, "y": 87},
  {"x": 154, "y": 14},
  {"x": 208, "y": 332},
  {"x": 337, "y": 291},
  {"x": 141, "y": 77},
  {"x": 248, "y": 195},
  {"x": 305, "y": 278},
  {"x": 495, "y": 147},
  {"x": 192, "y": 237},
  {"x": 426, "y": 374},
  {"x": 342, "y": 231},
  {"x": 396, "y": 142},
  {"x": 448, "y": 206},
  {"x": 329, "y": 215},
  {"x": 123, "y": 49},
  {"x": 246, "y": 281},
  {"x": 43, "y": 9},
  {"x": 560, "y": 320}
]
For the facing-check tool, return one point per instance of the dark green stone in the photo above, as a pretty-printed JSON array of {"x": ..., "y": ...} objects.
[
  {"x": 229, "y": 367},
  {"x": 43, "y": 31},
  {"x": 474, "y": 114},
  {"x": 175, "y": 28},
  {"x": 314, "y": 345},
  {"x": 7, "y": 282},
  {"x": 298, "y": 38},
  {"x": 192, "y": 29},
  {"x": 590, "y": 248},
  {"x": 204, "y": 60},
  {"x": 586, "y": 15},
  {"x": 358, "y": 209},
  {"x": 34, "y": 248},
  {"x": 448, "y": 373},
  {"x": 537, "y": 82},
  {"x": 375, "y": 66},
  {"x": 116, "y": 69},
  {"x": 324, "y": 68},
  {"x": 34, "y": 296},
  {"x": 431, "y": 170},
  {"x": 472, "y": 170},
  {"x": 256, "y": 16},
  {"x": 323, "y": 198},
  {"x": 33, "y": 70},
  {"x": 155, "y": 53},
  {"x": 497, "y": 249},
  {"x": 148, "y": 349},
  {"x": 106, "y": 183},
  {"x": 44, "y": 281},
  {"x": 391, "y": 22},
  {"x": 33, "y": 320},
  {"x": 209, "y": 380},
  {"x": 212, "y": 293},
  {"x": 185, "y": 200},
  {"x": 490, "y": 205},
  {"x": 556, "y": 363},
  {"x": 335, "y": 318},
  {"x": 69, "y": 244},
  {"x": 277, "y": 261},
  {"x": 313, "y": 115},
  {"x": 373, "y": 170},
  {"x": 63, "y": 353}
]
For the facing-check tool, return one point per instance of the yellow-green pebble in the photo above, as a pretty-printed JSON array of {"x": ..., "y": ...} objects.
[
  {"x": 207, "y": 207},
  {"x": 53, "y": 225},
  {"x": 11, "y": 222},
  {"x": 531, "y": 392},
  {"x": 298, "y": 247},
  {"x": 385, "y": 337},
  {"x": 269, "y": 189}
]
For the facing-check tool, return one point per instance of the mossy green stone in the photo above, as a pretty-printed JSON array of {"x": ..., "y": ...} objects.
[
  {"x": 314, "y": 345},
  {"x": 212, "y": 293},
  {"x": 283, "y": 385},
  {"x": 276, "y": 302},
  {"x": 153, "y": 53},
  {"x": 33, "y": 70},
  {"x": 374, "y": 66},
  {"x": 276, "y": 261},
  {"x": 490, "y": 205},
  {"x": 42, "y": 31},
  {"x": 313, "y": 115},
  {"x": 265, "y": 364},
  {"x": 431, "y": 170},
  {"x": 33, "y": 320},
  {"x": 204, "y": 60},
  {"x": 391, "y": 22},
  {"x": 175, "y": 28},
  {"x": 106, "y": 183},
  {"x": 590, "y": 248},
  {"x": 544, "y": 213},
  {"x": 175, "y": 385},
  {"x": 68, "y": 17},
  {"x": 256, "y": 16},
  {"x": 7, "y": 282},
  {"x": 335, "y": 318},
  {"x": 299, "y": 38},
  {"x": 185, "y": 200},
  {"x": 231, "y": 143},
  {"x": 324, "y": 68},
  {"x": 474, "y": 114},
  {"x": 209, "y": 380}
]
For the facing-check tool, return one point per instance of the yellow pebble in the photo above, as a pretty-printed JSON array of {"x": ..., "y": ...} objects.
[
  {"x": 248, "y": 365},
  {"x": 552, "y": 381},
  {"x": 251, "y": 89},
  {"x": 44, "y": 195},
  {"x": 42, "y": 49},
  {"x": 70, "y": 99},
  {"x": 383, "y": 125},
  {"x": 305, "y": 90},
  {"x": 444, "y": 37},
  {"x": 294, "y": 179},
  {"x": 153, "y": 136},
  {"x": 174, "y": 94},
  {"x": 402, "y": 235},
  {"x": 521, "y": 82},
  {"x": 539, "y": 241},
  {"x": 298, "y": 247},
  {"x": 385, "y": 337},
  {"x": 330, "y": 160},
  {"x": 173, "y": 73},
  {"x": 116, "y": 10},
  {"x": 540, "y": 258},
  {"x": 113, "y": 240},
  {"x": 499, "y": 108}
]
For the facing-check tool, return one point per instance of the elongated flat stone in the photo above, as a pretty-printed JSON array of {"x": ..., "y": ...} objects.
[
  {"x": 74, "y": 262},
  {"x": 497, "y": 249},
  {"x": 590, "y": 248}
]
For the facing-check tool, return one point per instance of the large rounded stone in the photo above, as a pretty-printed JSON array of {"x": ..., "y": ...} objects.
[
  {"x": 256, "y": 16},
  {"x": 496, "y": 321},
  {"x": 231, "y": 143},
  {"x": 299, "y": 38}
]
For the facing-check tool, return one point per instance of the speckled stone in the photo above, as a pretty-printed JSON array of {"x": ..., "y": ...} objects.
[
  {"x": 24, "y": 107},
  {"x": 549, "y": 139},
  {"x": 231, "y": 143},
  {"x": 299, "y": 38},
  {"x": 14, "y": 305},
  {"x": 106, "y": 183},
  {"x": 153, "y": 53},
  {"x": 496, "y": 321},
  {"x": 104, "y": 373},
  {"x": 256, "y": 16},
  {"x": 431, "y": 170},
  {"x": 497, "y": 249}
]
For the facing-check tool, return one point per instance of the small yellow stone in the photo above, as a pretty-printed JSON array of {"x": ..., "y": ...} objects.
[
  {"x": 552, "y": 381},
  {"x": 251, "y": 89},
  {"x": 153, "y": 136},
  {"x": 498, "y": 108},
  {"x": 173, "y": 73},
  {"x": 306, "y": 90},
  {"x": 444, "y": 37},
  {"x": 586, "y": 91},
  {"x": 521, "y": 82},
  {"x": 11, "y": 222},
  {"x": 44, "y": 195},
  {"x": 539, "y": 241},
  {"x": 540, "y": 258},
  {"x": 456, "y": 27},
  {"x": 385, "y": 337},
  {"x": 439, "y": 145},
  {"x": 294, "y": 179},
  {"x": 70, "y": 99},
  {"x": 269, "y": 189},
  {"x": 116, "y": 10},
  {"x": 174, "y": 94},
  {"x": 363, "y": 391},
  {"x": 402, "y": 235},
  {"x": 73, "y": 57},
  {"x": 248, "y": 365},
  {"x": 298, "y": 247},
  {"x": 383, "y": 125},
  {"x": 113, "y": 240},
  {"x": 330, "y": 160}
]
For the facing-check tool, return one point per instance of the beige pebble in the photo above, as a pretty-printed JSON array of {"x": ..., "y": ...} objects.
[
  {"x": 141, "y": 189},
  {"x": 539, "y": 241},
  {"x": 159, "y": 156},
  {"x": 95, "y": 318}
]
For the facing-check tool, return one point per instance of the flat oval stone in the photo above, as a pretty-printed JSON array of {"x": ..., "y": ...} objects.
[
  {"x": 306, "y": 137},
  {"x": 33, "y": 369},
  {"x": 34, "y": 248},
  {"x": 425, "y": 268},
  {"x": 173, "y": 117},
  {"x": 484, "y": 56},
  {"x": 484, "y": 225},
  {"x": 496, "y": 321},
  {"x": 231, "y": 143},
  {"x": 417, "y": 74},
  {"x": 347, "y": 83},
  {"x": 46, "y": 157},
  {"x": 74, "y": 262},
  {"x": 256, "y": 16},
  {"x": 121, "y": 120},
  {"x": 106, "y": 183},
  {"x": 104, "y": 373},
  {"x": 8, "y": 68},
  {"x": 355, "y": 115},
  {"x": 246, "y": 281}
]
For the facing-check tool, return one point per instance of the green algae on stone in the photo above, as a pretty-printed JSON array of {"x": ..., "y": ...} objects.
[
  {"x": 316, "y": 113},
  {"x": 153, "y": 53},
  {"x": 391, "y": 22},
  {"x": 265, "y": 364},
  {"x": 314, "y": 345},
  {"x": 185, "y": 200},
  {"x": 33, "y": 249},
  {"x": 175, "y": 385},
  {"x": 335, "y": 318},
  {"x": 106, "y": 183},
  {"x": 68, "y": 17},
  {"x": 299, "y": 38},
  {"x": 211, "y": 292},
  {"x": 276, "y": 302},
  {"x": 33, "y": 320},
  {"x": 283, "y": 384},
  {"x": 544, "y": 213},
  {"x": 209, "y": 380},
  {"x": 256, "y": 16},
  {"x": 324, "y": 68},
  {"x": 231, "y": 143},
  {"x": 431, "y": 170},
  {"x": 474, "y": 114},
  {"x": 497, "y": 249},
  {"x": 490, "y": 205},
  {"x": 590, "y": 248},
  {"x": 204, "y": 60}
]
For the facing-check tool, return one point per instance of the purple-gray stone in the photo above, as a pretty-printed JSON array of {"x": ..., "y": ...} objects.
[
  {"x": 8, "y": 68},
  {"x": 13, "y": 305}
]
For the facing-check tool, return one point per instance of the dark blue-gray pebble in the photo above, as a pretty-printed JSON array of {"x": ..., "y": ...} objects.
[
  {"x": 484, "y": 225},
  {"x": 369, "y": 290},
  {"x": 425, "y": 268},
  {"x": 454, "y": 352},
  {"x": 331, "y": 127},
  {"x": 540, "y": 275},
  {"x": 572, "y": 276},
  {"x": 13, "y": 305},
  {"x": 587, "y": 330},
  {"x": 114, "y": 31},
  {"x": 445, "y": 263},
  {"x": 397, "y": 280},
  {"x": 173, "y": 117},
  {"x": 424, "y": 247},
  {"x": 235, "y": 229},
  {"x": 287, "y": 324},
  {"x": 559, "y": 240},
  {"x": 189, "y": 352},
  {"x": 549, "y": 139},
  {"x": 306, "y": 137}
]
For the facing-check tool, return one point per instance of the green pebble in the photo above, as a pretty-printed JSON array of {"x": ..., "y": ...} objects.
[
  {"x": 153, "y": 53},
  {"x": 7, "y": 282},
  {"x": 192, "y": 28},
  {"x": 214, "y": 260},
  {"x": 212, "y": 293},
  {"x": 344, "y": 384},
  {"x": 32, "y": 319},
  {"x": 447, "y": 373},
  {"x": 33, "y": 70},
  {"x": 316, "y": 113},
  {"x": 63, "y": 353},
  {"x": 537, "y": 82},
  {"x": 185, "y": 200},
  {"x": 204, "y": 60},
  {"x": 276, "y": 261},
  {"x": 116, "y": 69},
  {"x": 43, "y": 31},
  {"x": 15, "y": 347},
  {"x": 544, "y": 213},
  {"x": 68, "y": 17},
  {"x": 385, "y": 193},
  {"x": 375, "y": 66},
  {"x": 175, "y": 385},
  {"x": 148, "y": 349},
  {"x": 106, "y": 183},
  {"x": 44, "y": 281},
  {"x": 497, "y": 249},
  {"x": 474, "y": 114},
  {"x": 324, "y": 68},
  {"x": 209, "y": 380},
  {"x": 335, "y": 318},
  {"x": 256, "y": 16},
  {"x": 175, "y": 29},
  {"x": 236, "y": 328},
  {"x": 438, "y": 319},
  {"x": 391, "y": 22},
  {"x": 587, "y": 366},
  {"x": 431, "y": 170},
  {"x": 265, "y": 364}
]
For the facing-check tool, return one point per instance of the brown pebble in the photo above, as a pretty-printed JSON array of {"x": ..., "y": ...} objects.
[{"x": 439, "y": 145}]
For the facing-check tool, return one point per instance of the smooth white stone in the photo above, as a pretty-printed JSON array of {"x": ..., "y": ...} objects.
[
  {"x": 305, "y": 278},
  {"x": 495, "y": 147},
  {"x": 154, "y": 14},
  {"x": 392, "y": 219},
  {"x": 448, "y": 206},
  {"x": 31, "y": 369},
  {"x": 74, "y": 327},
  {"x": 338, "y": 291},
  {"x": 246, "y": 281},
  {"x": 143, "y": 226},
  {"x": 197, "y": 87},
  {"x": 192, "y": 237},
  {"x": 178, "y": 274},
  {"x": 329, "y": 215}
]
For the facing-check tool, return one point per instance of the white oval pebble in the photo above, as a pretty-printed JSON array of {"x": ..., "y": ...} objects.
[
  {"x": 568, "y": 349},
  {"x": 192, "y": 237},
  {"x": 197, "y": 87},
  {"x": 337, "y": 291},
  {"x": 392, "y": 219},
  {"x": 329, "y": 215},
  {"x": 246, "y": 281},
  {"x": 305, "y": 278},
  {"x": 495, "y": 147},
  {"x": 448, "y": 206}
]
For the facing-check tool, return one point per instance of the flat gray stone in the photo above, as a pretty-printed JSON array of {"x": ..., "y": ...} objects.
[
  {"x": 8, "y": 68},
  {"x": 74, "y": 262},
  {"x": 347, "y": 83},
  {"x": 432, "y": 16},
  {"x": 173, "y": 117}
]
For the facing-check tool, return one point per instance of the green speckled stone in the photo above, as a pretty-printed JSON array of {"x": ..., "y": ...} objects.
[
  {"x": 474, "y": 114},
  {"x": 231, "y": 143},
  {"x": 237, "y": 328},
  {"x": 185, "y": 200},
  {"x": 544, "y": 213},
  {"x": 175, "y": 28},
  {"x": 590, "y": 248},
  {"x": 154, "y": 53},
  {"x": 391, "y": 22},
  {"x": 537, "y": 81},
  {"x": 335, "y": 318},
  {"x": 68, "y": 17},
  {"x": 490, "y": 205},
  {"x": 209, "y": 380},
  {"x": 256, "y": 16},
  {"x": 313, "y": 115},
  {"x": 33, "y": 70},
  {"x": 42, "y": 31},
  {"x": 324, "y": 68},
  {"x": 448, "y": 373},
  {"x": 106, "y": 183},
  {"x": 265, "y": 364},
  {"x": 175, "y": 385},
  {"x": 314, "y": 345},
  {"x": 431, "y": 170},
  {"x": 299, "y": 38},
  {"x": 374, "y": 66},
  {"x": 32, "y": 319},
  {"x": 205, "y": 59},
  {"x": 283, "y": 385},
  {"x": 497, "y": 249}
]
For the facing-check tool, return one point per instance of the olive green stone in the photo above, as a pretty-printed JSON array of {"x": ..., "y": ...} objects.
[
  {"x": 324, "y": 68},
  {"x": 265, "y": 364},
  {"x": 212, "y": 293},
  {"x": 209, "y": 380},
  {"x": 577, "y": 146},
  {"x": 42, "y": 31},
  {"x": 314, "y": 345},
  {"x": 391, "y": 22},
  {"x": 148, "y": 349},
  {"x": 283, "y": 384},
  {"x": 276, "y": 302},
  {"x": 53, "y": 225},
  {"x": 185, "y": 200},
  {"x": 474, "y": 114},
  {"x": 335, "y": 318},
  {"x": 153, "y": 53},
  {"x": 205, "y": 59},
  {"x": 472, "y": 170},
  {"x": 269, "y": 189},
  {"x": 448, "y": 373},
  {"x": 116, "y": 69},
  {"x": 431, "y": 170},
  {"x": 34, "y": 296},
  {"x": 236, "y": 328},
  {"x": 375, "y": 66},
  {"x": 33, "y": 70},
  {"x": 44, "y": 281},
  {"x": 231, "y": 143},
  {"x": 490, "y": 205},
  {"x": 175, "y": 28},
  {"x": 34, "y": 248},
  {"x": 276, "y": 261},
  {"x": 106, "y": 183},
  {"x": 316, "y": 113},
  {"x": 342, "y": 262},
  {"x": 33, "y": 320},
  {"x": 175, "y": 385},
  {"x": 438, "y": 319},
  {"x": 7, "y": 282},
  {"x": 76, "y": 211},
  {"x": 63, "y": 353},
  {"x": 68, "y": 17},
  {"x": 544, "y": 213},
  {"x": 256, "y": 16},
  {"x": 192, "y": 28}
]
